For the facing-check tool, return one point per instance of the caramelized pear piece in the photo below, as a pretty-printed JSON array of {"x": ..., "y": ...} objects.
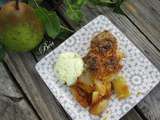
[
  {"x": 100, "y": 87},
  {"x": 85, "y": 82},
  {"x": 120, "y": 87},
  {"x": 96, "y": 97},
  {"x": 99, "y": 107},
  {"x": 80, "y": 96},
  {"x": 108, "y": 86}
]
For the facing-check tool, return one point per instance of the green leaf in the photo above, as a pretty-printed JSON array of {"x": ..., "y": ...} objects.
[
  {"x": 81, "y": 3},
  {"x": 2, "y": 52},
  {"x": 118, "y": 10},
  {"x": 53, "y": 28},
  {"x": 64, "y": 33},
  {"x": 50, "y": 20},
  {"x": 73, "y": 9},
  {"x": 74, "y": 14},
  {"x": 41, "y": 14}
]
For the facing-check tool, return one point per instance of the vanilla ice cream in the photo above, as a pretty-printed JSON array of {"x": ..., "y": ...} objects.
[{"x": 68, "y": 67}]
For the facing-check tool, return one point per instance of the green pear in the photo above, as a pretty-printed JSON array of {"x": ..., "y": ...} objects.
[{"x": 20, "y": 29}]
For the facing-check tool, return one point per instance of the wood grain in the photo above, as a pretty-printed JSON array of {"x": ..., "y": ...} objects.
[
  {"x": 150, "y": 106},
  {"x": 15, "y": 109},
  {"x": 13, "y": 105},
  {"x": 145, "y": 14},
  {"x": 22, "y": 67},
  {"x": 7, "y": 86}
]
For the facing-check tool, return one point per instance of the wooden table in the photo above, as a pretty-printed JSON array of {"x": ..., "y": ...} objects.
[{"x": 23, "y": 94}]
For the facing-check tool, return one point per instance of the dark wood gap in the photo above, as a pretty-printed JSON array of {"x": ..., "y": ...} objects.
[
  {"x": 19, "y": 87},
  {"x": 140, "y": 113},
  {"x": 34, "y": 56}
]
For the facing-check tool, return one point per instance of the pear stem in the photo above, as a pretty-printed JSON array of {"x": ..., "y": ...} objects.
[{"x": 17, "y": 4}]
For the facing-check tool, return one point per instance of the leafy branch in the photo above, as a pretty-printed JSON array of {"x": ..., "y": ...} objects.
[{"x": 51, "y": 21}]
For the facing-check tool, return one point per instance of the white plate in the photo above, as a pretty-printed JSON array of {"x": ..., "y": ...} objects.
[{"x": 141, "y": 75}]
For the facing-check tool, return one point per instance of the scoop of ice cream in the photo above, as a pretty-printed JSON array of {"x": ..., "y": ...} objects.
[{"x": 68, "y": 67}]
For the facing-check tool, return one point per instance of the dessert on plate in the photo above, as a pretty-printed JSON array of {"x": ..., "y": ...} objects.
[{"x": 95, "y": 77}]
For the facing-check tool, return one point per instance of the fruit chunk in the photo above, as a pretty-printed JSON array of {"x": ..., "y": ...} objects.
[
  {"x": 100, "y": 87},
  {"x": 121, "y": 88},
  {"x": 80, "y": 95},
  {"x": 85, "y": 82},
  {"x": 108, "y": 86},
  {"x": 120, "y": 55},
  {"x": 99, "y": 107},
  {"x": 110, "y": 77},
  {"x": 95, "y": 97}
]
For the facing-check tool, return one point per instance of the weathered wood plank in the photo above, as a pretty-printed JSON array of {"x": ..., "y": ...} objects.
[
  {"x": 22, "y": 67},
  {"x": 7, "y": 86},
  {"x": 139, "y": 39},
  {"x": 13, "y": 105},
  {"x": 15, "y": 109},
  {"x": 145, "y": 14},
  {"x": 150, "y": 106},
  {"x": 154, "y": 5}
]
